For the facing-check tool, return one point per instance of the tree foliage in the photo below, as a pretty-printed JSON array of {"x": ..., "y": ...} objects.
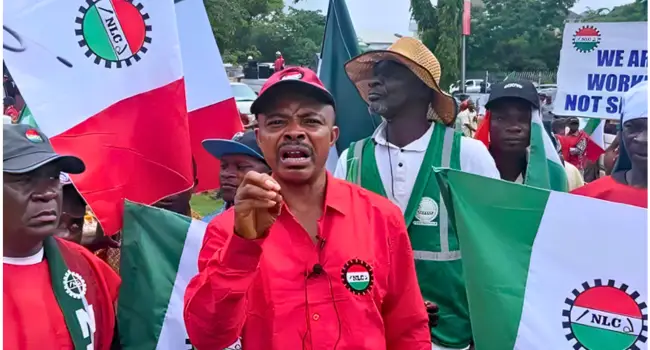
[
  {"x": 507, "y": 35},
  {"x": 259, "y": 28},
  {"x": 439, "y": 28},
  {"x": 517, "y": 35},
  {"x": 297, "y": 33},
  {"x": 634, "y": 12}
]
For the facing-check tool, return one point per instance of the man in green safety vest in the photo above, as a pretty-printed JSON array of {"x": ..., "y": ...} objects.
[{"x": 402, "y": 85}]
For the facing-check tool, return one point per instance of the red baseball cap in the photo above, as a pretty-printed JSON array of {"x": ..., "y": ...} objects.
[{"x": 304, "y": 82}]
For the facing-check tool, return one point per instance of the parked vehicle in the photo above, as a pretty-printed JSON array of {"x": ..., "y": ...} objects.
[
  {"x": 471, "y": 85},
  {"x": 244, "y": 97}
]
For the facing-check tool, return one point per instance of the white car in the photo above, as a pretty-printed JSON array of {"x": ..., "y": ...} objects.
[
  {"x": 244, "y": 97},
  {"x": 471, "y": 85}
]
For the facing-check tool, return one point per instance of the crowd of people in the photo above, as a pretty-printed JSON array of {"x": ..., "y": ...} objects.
[{"x": 298, "y": 257}]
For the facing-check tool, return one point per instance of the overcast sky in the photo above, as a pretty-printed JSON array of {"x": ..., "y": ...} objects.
[{"x": 393, "y": 16}]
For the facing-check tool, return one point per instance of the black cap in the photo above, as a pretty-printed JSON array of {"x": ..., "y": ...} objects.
[
  {"x": 241, "y": 143},
  {"x": 26, "y": 148},
  {"x": 522, "y": 89}
]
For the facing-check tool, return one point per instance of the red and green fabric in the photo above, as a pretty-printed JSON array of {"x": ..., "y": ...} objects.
[
  {"x": 595, "y": 128},
  {"x": 76, "y": 290},
  {"x": 26, "y": 117}
]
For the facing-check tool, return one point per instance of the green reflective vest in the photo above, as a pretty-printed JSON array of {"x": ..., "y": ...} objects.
[{"x": 434, "y": 240}]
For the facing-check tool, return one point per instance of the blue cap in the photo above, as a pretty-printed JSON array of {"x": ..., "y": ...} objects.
[{"x": 241, "y": 143}]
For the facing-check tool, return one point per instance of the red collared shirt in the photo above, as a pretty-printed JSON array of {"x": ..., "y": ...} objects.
[{"x": 266, "y": 292}]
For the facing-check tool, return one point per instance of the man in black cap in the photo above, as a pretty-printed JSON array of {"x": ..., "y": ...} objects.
[
  {"x": 238, "y": 156},
  {"x": 507, "y": 130},
  {"x": 71, "y": 290}
]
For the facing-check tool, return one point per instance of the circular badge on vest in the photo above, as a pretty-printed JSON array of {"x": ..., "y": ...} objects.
[
  {"x": 357, "y": 276},
  {"x": 74, "y": 285},
  {"x": 427, "y": 211}
]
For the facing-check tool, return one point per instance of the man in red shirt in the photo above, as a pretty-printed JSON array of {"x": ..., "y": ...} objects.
[
  {"x": 57, "y": 294},
  {"x": 574, "y": 144},
  {"x": 304, "y": 260},
  {"x": 629, "y": 181},
  {"x": 278, "y": 65}
]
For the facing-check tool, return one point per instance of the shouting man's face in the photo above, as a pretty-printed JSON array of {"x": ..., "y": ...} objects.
[{"x": 295, "y": 134}]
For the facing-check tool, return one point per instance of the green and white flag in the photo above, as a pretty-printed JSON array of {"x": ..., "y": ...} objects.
[
  {"x": 545, "y": 169},
  {"x": 159, "y": 256},
  {"x": 26, "y": 117},
  {"x": 549, "y": 270},
  {"x": 595, "y": 128}
]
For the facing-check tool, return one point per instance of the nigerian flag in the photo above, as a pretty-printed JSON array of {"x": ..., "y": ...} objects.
[
  {"x": 340, "y": 44},
  {"x": 549, "y": 270},
  {"x": 26, "y": 117},
  {"x": 159, "y": 256},
  {"x": 595, "y": 128}
]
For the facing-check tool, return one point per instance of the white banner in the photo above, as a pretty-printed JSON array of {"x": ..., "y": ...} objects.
[{"x": 599, "y": 62}]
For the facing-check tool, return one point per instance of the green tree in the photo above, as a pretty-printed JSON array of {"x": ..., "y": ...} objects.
[
  {"x": 439, "y": 28},
  {"x": 517, "y": 35},
  {"x": 634, "y": 12},
  {"x": 298, "y": 34},
  {"x": 448, "y": 47},
  {"x": 231, "y": 21}
]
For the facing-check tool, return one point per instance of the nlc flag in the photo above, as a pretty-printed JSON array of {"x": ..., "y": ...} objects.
[
  {"x": 212, "y": 109},
  {"x": 549, "y": 270},
  {"x": 104, "y": 80}
]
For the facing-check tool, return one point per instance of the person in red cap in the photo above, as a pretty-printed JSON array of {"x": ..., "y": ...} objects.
[{"x": 304, "y": 260}]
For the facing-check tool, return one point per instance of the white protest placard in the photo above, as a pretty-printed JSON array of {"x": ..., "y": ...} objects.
[{"x": 599, "y": 62}]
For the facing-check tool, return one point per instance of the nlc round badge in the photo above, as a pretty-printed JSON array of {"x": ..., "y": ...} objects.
[
  {"x": 114, "y": 32},
  {"x": 610, "y": 316},
  {"x": 357, "y": 276}
]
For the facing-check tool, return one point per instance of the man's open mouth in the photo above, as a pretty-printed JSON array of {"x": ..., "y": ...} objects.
[{"x": 295, "y": 156}]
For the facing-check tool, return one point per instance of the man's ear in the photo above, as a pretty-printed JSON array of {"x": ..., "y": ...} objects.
[{"x": 334, "y": 135}]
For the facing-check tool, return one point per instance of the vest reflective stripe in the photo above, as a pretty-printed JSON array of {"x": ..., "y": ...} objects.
[
  {"x": 444, "y": 219},
  {"x": 444, "y": 254},
  {"x": 358, "y": 152},
  {"x": 436, "y": 256}
]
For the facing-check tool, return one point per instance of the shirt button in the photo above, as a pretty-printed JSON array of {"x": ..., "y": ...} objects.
[
  {"x": 316, "y": 317},
  {"x": 400, "y": 164}
]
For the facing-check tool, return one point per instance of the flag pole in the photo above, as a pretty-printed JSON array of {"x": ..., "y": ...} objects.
[
  {"x": 467, "y": 5},
  {"x": 462, "y": 64}
]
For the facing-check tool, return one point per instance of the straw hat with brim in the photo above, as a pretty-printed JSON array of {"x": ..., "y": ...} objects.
[{"x": 423, "y": 63}]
